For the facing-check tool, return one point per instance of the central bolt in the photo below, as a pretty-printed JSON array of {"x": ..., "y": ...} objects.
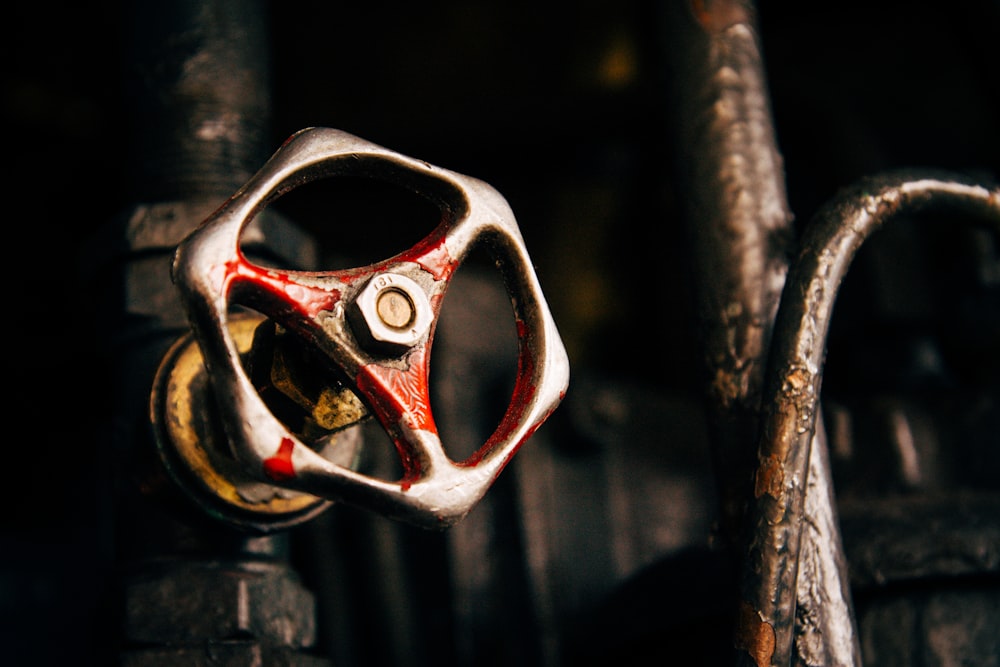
[
  {"x": 394, "y": 308},
  {"x": 391, "y": 314}
]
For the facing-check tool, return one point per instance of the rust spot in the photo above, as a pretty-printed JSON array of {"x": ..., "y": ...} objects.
[
  {"x": 770, "y": 478},
  {"x": 754, "y": 635},
  {"x": 797, "y": 379},
  {"x": 717, "y": 15}
]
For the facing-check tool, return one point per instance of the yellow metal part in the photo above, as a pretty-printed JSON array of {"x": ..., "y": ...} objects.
[
  {"x": 196, "y": 452},
  {"x": 330, "y": 407}
]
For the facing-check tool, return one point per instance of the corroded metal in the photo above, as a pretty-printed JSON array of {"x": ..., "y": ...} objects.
[
  {"x": 740, "y": 227},
  {"x": 738, "y": 220},
  {"x": 195, "y": 451},
  {"x": 213, "y": 275},
  {"x": 825, "y": 629},
  {"x": 770, "y": 582},
  {"x": 297, "y": 375},
  {"x": 198, "y": 91}
]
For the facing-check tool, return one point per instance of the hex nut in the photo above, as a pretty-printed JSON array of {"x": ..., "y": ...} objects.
[
  {"x": 391, "y": 314},
  {"x": 198, "y": 601}
]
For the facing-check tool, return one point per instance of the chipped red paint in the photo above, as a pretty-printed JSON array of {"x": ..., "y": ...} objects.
[
  {"x": 410, "y": 477},
  {"x": 305, "y": 299},
  {"x": 407, "y": 390},
  {"x": 526, "y": 437},
  {"x": 352, "y": 276},
  {"x": 401, "y": 397},
  {"x": 432, "y": 255},
  {"x": 436, "y": 301},
  {"x": 279, "y": 467}
]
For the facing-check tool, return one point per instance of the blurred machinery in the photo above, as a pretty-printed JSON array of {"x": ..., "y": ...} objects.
[{"x": 677, "y": 173}]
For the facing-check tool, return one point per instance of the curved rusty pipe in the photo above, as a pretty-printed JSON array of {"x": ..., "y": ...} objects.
[{"x": 767, "y": 623}]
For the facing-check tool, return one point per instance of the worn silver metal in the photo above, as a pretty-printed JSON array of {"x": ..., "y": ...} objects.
[
  {"x": 782, "y": 492},
  {"x": 826, "y": 631},
  {"x": 212, "y": 275},
  {"x": 391, "y": 314}
]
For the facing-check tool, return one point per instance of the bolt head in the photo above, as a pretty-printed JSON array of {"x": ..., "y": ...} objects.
[{"x": 391, "y": 314}]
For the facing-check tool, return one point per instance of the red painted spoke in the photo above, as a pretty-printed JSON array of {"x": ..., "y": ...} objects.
[{"x": 264, "y": 287}]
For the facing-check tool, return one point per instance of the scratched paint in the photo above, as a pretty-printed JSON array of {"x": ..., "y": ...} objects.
[
  {"x": 401, "y": 397},
  {"x": 432, "y": 255},
  {"x": 279, "y": 467},
  {"x": 351, "y": 276},
  {"x": 408, "y": 390},
  {"x": 305, "y": 299}
]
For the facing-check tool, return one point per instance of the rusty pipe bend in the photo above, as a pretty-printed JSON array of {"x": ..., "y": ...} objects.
[{"x": 793, "y": 379}]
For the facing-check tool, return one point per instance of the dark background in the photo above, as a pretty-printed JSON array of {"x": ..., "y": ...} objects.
[{"x": 560, "y": 106}]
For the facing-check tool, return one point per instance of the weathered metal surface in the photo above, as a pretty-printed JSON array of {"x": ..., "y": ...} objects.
[
  {"x": 185, "y": 603},
  {"x": 511, "y": 91},
  {"x": 197, "y": 78},
  {"x": 194, "y": 449},
  {"x": 905, "y": 539},
  {"x": 740, "y": 227},
  {"x": 830, "y": 241}
]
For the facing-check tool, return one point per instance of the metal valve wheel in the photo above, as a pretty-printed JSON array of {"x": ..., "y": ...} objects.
[{"x": 375, "y": 326}]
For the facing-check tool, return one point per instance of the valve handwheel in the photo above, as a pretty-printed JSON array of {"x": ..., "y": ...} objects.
[{"x": 375, "y": 324}]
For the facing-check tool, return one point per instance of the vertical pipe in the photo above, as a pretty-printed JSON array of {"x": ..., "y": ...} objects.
[
  {"x": 192, "y": 591},
  {"x": 740, "y": 228},
  {"x": 737, "y": 220},
  {"x": 198, "y": 78}
]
